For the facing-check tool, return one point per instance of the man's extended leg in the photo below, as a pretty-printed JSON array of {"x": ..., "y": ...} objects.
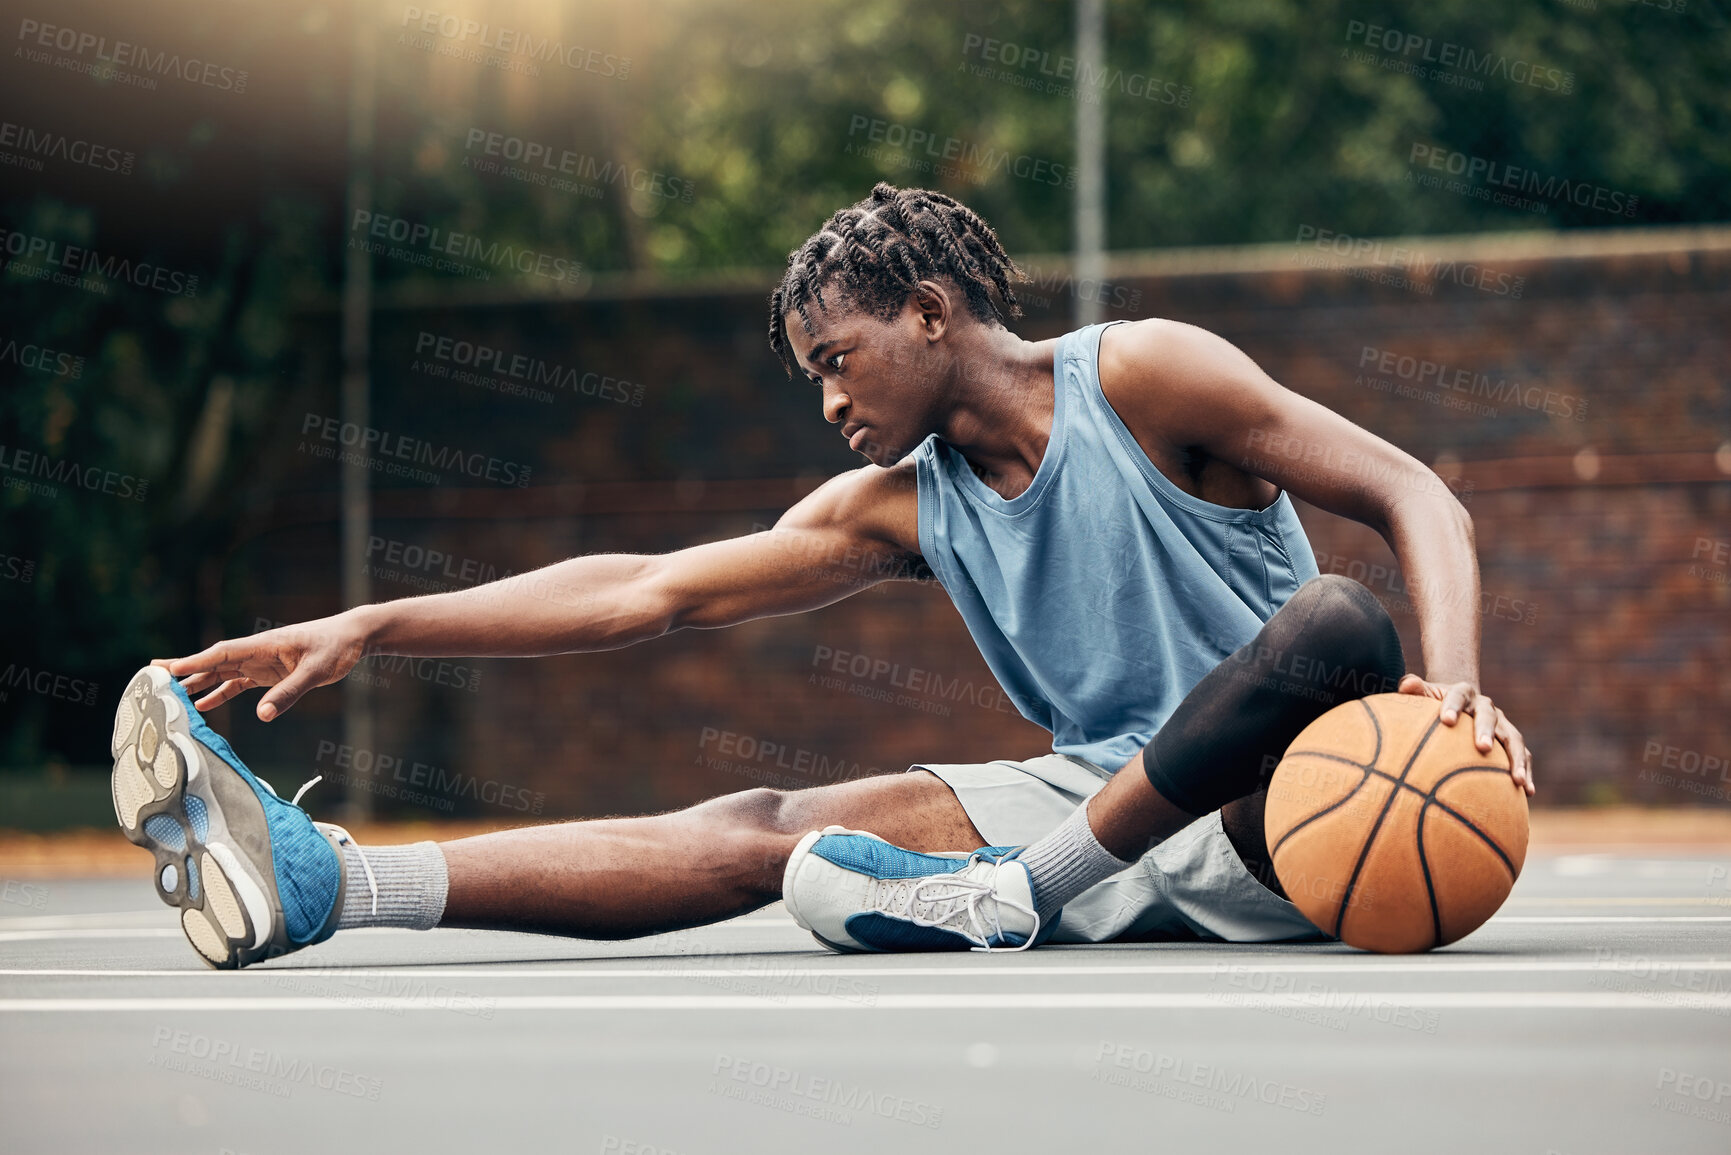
[
  {"x": 254, "y": 877},
  {"x": 622, "y": 877},
  {"x": 1331, "y": 642}
]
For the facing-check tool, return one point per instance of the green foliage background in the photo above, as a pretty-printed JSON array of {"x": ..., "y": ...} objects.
[{"x": 752, "y": 104}]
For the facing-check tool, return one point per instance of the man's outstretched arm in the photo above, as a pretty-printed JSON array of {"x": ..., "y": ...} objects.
[{"x": 854, "y": 531}]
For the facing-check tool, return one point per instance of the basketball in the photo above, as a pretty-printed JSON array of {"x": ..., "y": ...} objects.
[{"x": 1390, "y": 830}]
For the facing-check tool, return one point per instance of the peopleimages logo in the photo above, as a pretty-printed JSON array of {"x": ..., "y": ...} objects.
[
  {"x": 65, "y": 264},
  {"x": 1520, "y": 179},
  {"x": 28, "y": 464},
  {"x": 394, "y": 447},
  {"x": 35, "y": 144},
  {"x": 442, "y": 242},
  {"x": 48, "y": 684},
  {"x": 449, "y": 784},
  {"x": 485, "y": 360},
  {"x": 1427, "y": 374},
  {"x": 971, "y": 161},
  {"x": 1425, "y": 272},
  {"x": 800, "y": 1093},
  {"x": 1028, "y": 59},
  {"x": 542, "y": 164},
  {"x": 34, "y": 34},
  {"x": 1446, "y": 54},
  {"x": 41, "y": 359},
  {"x": 513, "y": 42}
]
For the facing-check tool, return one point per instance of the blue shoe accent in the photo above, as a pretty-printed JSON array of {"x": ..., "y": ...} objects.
[
  {"x": 193, "y": 805},
  {"x": 877, "y": 858},
  {"x": 881, "y": 932},
  {"x": 166, "y": 831},
  {"x": 191, "y": 880},
  {"x": 307, "y": 868}
]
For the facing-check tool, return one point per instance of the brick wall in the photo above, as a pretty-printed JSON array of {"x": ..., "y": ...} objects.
[{"x": 1585, "y": 422}]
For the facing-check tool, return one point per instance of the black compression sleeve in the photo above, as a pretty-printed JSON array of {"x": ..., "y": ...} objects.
[{"x": 1330, "y": 643}]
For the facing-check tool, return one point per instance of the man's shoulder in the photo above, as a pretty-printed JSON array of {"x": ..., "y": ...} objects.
[
  {"x": 876, "y": 502},
  {"x": 1169, "y": 379},
  {"x": 1156, "y": 350}
]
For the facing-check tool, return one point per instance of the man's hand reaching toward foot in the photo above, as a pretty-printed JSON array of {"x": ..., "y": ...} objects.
[{"x": 291, "y": 660}]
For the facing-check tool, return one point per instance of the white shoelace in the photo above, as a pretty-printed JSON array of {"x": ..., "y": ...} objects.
[
  {"x": 958, "y": 910},
  {"x": 344, "y": 838}
]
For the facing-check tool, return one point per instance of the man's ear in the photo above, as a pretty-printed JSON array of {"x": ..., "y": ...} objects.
[{"x": 932, "y": 303}]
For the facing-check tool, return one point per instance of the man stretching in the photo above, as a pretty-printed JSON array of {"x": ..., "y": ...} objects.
[{"x": 1111, "y": 513}]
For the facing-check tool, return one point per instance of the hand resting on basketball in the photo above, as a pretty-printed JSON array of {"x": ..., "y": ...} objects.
[{"x": 1489, "y": 723}]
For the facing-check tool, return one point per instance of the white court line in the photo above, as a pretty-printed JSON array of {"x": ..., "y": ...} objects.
[
  {"x": 1640, "y": 966},
  {"x": 1056, "y": 1001},
  {"x": 1623, "y": 900},
  {"x": 168, "y": 932},
  {"x": 103, "y": 920},
  {"x": 1610, "y": 918},
  {"x": 142, "y": 932},
  {"x": 102, "y": 932},
  {"x": 175, "y": 932}
]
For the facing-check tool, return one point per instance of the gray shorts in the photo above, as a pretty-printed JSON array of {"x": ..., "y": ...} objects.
[{"x": 1191, "y": 886}]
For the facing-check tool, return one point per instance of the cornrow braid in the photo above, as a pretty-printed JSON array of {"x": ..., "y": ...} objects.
[{"x": 873, "y": 254}]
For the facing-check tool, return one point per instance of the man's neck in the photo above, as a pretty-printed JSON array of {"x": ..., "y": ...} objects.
[{"x": 1001, "y": 418}]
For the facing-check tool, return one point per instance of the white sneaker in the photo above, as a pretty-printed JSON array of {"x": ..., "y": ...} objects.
[{"x": 856, "y": 893}]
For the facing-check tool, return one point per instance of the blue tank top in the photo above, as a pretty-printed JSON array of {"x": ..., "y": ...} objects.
[{"x": 1103, "y": 593}]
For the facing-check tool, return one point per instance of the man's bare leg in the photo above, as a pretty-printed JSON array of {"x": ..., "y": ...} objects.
[
  {"x": 618, "y": 878},
  {"x": 623, "y": 877},
  {"x": 1242, "y": 821},
  {"x": 1129, "y": 817}
]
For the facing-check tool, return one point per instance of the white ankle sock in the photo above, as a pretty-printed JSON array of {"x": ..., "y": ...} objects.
[
  {"x": 411, "y": 882},
  {"x": 1066, "y": 862}
]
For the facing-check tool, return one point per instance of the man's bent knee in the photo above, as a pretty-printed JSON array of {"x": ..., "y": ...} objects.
[
  {"x": 759, "y": 808},
  {"x": 916, "y": 810},
  {"x": 1344, "y": 631},
  {"x": 1331, "y": 642}
]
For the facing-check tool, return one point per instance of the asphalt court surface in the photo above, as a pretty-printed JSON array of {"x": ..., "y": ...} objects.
[{"x": 1592, "y": 1015}]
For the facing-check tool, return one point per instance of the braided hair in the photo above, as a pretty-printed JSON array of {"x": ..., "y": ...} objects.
[{"x": 877, "y": 251}]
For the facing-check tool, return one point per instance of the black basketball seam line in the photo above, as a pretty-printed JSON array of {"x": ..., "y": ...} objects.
[
  {"x": 1330, "y": 756},
  {"x": 1364, "y": 851},
  {"x": 1424, "y": 865},
  {"x": 1384, "y": 775},
  {"x": 1400, "y": 783},
  {"x": 1376, "y": 729},
  {"x": 1508, "y": 864},
  {"x": 1431, "y": 799},
  {"x": 1469, "y": 823},
  {"x": 1387, "y": 777},
  {"x": 1329, "y": 809}
]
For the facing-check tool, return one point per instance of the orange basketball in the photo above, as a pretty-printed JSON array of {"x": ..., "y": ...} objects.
[{"x": 1390, "y": 830}]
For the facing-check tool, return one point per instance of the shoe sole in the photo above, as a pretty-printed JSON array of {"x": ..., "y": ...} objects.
[{"x": 228, "y": 908}]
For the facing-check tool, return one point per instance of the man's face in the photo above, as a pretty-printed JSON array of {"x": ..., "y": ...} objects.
[{"x": 878, "y": 377}]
